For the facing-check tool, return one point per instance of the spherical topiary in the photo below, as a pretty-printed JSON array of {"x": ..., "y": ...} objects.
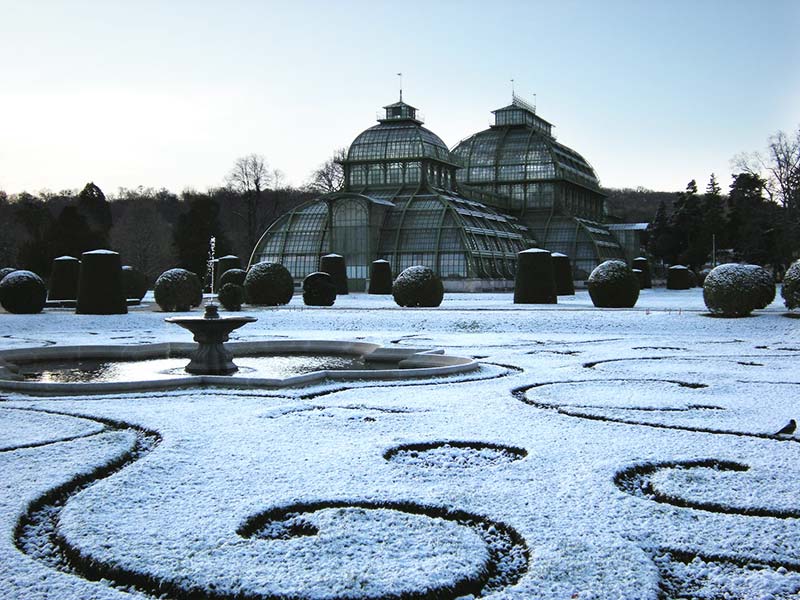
[
  {"x": 100, "y": 290},
  {"x": 641, "y": 263},
  {"x": 178, "y": 290},
  {"x": 319, "y": 290},
  {"x": 235, "y": 276},
  {"x": 535, "y": 282},
  {"x": 418, "y": 286},
  {"x": 63, "y": 283},
  {"x": 790, "y": 290},
  {"x": 678, "y": 278},
  {"x": 134, "y": 282},
  {"x": 613, "y": 284},
  {"x": 380, "y": 277},
  {"x": 23, "y": 292},
  {"x": 334, "y": 265},
  {"x": 268, "y": 284},
  {"x": 562, "y": 274},
  {"x": 701, "y": 276},
  {"x": 765, "y": 283},
  {"x": 732, "y": 290},
  {"x": 5, "y": 271},
  {"x": 231, "y": 296},
  {"x": 222, "y": 265},
  {"x": 693, "y": 280}
]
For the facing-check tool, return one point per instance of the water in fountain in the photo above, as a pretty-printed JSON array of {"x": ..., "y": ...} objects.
[{"x": 212, "y": 243}]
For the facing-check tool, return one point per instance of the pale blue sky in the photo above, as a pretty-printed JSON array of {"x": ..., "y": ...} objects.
[{"x": 171, "y": 93}]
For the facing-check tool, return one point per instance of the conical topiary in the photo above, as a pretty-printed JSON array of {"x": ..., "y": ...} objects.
[
  {"x": 100, "y": 289},
  {"x": 380, "y": 277},
  {"x": 63, "y": 283},
  {"x": 535, "y": 282},
  {"x": 678, "y": 278},
  {"x": 641, "y": 263},
  {"x": 334, "y": 265},
  {"x": 134, "y": 282},
  {"x": 562, "y": 274}
]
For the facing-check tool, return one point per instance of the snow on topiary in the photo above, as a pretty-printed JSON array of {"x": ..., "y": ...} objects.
[
  {"x": 732, "y": 290},
  {"x": 268, "y": 284},
  {"x": 319, "y": 289},
  {"x": 642, "y": 264},
  {"x": 5, "y": 271},
  {"x": 64, "y": 274},
  {"x": 100, "y": 289},
  {"x": 612, "y": 284},
  {"x": 23, "y": 292},
  {"x": 334, "y": 265},
  {"x": 380, "y": 277},
  {"x": 678, "y": 278},
  {"x": 766, "y": 285},
  {"x": 232, "y": 276},
  {"x": 231, "y": 296},
  {"x": 790, "y": 291},
  {"x": 535, "y": 280},
  {"x": 562, "y": 274},
  {"x": 178, "y": 290},
  {"x": 418, "y": 286},
  {"x": 134, "y": 282},
  {"x": 224, "y": 264}
]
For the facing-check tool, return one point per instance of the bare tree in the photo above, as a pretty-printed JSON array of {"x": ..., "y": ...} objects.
[
  {"x": 329, "y": 176},
  {"x": 250, "y": 176},
  {"x": 780, "y": 168},
  {"x": 144, "y": 238}
]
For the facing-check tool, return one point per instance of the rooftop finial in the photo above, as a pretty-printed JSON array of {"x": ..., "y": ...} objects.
[
  {"x": 513, "y": 95},
  {"x": 400, "y": 75}
]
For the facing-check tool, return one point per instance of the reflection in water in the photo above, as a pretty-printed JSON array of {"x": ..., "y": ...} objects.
[{"x": 270, "y": 366}]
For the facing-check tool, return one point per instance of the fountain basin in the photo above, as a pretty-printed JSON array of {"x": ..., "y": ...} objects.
[{"x": 379, "y": 363}]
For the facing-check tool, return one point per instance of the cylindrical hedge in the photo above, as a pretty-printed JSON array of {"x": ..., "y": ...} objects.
[
  {"x": 100, "y": 290},
  {"x": 222, "y": 265},
  {"x": 418, "y": 286},
  {"x": 562, "y": 274},
  {"x": 612, "y": 284},
  {"x": 268, "y": 284},
  {"x": 231, "y": 296},
  {"x": 765, "y": 283},
  {"x": 134, "y": 283},
  {"x": 64, "y": 274},
  {"x": 732, "y": 290},
  {"x": 178, "y": 290},
  {"x": 235, "y": 276},
  {"x": 641, "y": 263},
  {"x": 535, "y": 282},
  {"x": 678, "y": 278},
  {"x": 23, "y": 292},
  {"x": 790, "y": 290},
  {"x": 319, "y": 290},
  {"x": 334, "y": 265},
  {"x": 380, "y": 277}
]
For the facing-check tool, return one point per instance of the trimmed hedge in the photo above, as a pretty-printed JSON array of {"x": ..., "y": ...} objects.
[
  {"x": 63, "y": 282},
  {"x": 319, "y": 290},
  {"x": 418, "y": 286},
  {"x": 612, "y": 284},
  {"x": 5, "y": 271},
  {"x": 535, "y": 280},
  {"x": 178, "y": 290},
  {"x": 134, "y": 282},
  {"x": 641, "y": 263},
  {"x": 23, "y": 292},
  {"x": 733, "y": 290},
  {"x": 334, "y": 265},
  {"x": 231, "y": 296},
  {"x": 268, "y": 284},
  {"x": 100, "y": 290},
  {"x": 222, "y": 265},
  {"x": 766, "y": 285},
  {"x": 380, "y": 277},
  {"x": 678, "y": 278},
  {"x": 235, "y": 276},
  {"x": 790, "y": 290},
  {"x": 562, "y": 274}
]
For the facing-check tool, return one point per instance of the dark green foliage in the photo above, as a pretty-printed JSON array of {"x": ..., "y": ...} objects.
[
  {"x": 231, "y": 296},
  {"x": 235, "y": 276},
  {"x": 23, "y": 292},
  {"x": 418, "y": 286},
  {"x": 613, "y": 284},
  {"x": 765, "y": 285},
  {"x": 535, "y": 280},
  {"x": 701, "y": 276},
  {"x": 790, "y": 291},
  {"x": 134, "y": 283},
  {"x": 319, "y": 290},
  {"x": 63, "y": 283},
  {"x": 70, "y": 234},
  {"x": 693, "y": 281},
  {"x": 93, "y": 206},
  {"x": 380, "y": 277},
  {"x": 334, "y": 265},
  {"x": 268, "y": 284},
  {"x": 194, "y": 230},
  {"x": 223, "y": 264},
  {"x": 733, "y": 290},
  {"x": 178, "y": 290},
  {"x": 642, "y": 264},
  {"x": 562, "y": 274},
  {"x": 678, "y": 278},
  {"x": 100, "y": 288}
]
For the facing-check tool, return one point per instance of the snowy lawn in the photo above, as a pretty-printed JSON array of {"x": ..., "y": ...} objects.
[{"x": 616, "y": 453}]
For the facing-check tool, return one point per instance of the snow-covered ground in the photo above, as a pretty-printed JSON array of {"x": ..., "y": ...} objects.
[{"x": 595, "y": 454}]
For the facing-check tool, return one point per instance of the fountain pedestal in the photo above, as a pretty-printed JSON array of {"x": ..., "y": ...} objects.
[{"x": 210, "y": 332}]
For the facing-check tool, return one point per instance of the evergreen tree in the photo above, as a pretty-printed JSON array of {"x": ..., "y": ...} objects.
[
  {"x": 662, "y": 242},
  {"x": 714, "y": 223},
  {"x": 92, "y": 204},
  {"x": 70, "y": 234},
  {"x": 687, "y": 226},
  {"x": 194, "y": 230}
]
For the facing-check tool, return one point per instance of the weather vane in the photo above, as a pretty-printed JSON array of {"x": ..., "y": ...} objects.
[{"x": 400, "y": 75}]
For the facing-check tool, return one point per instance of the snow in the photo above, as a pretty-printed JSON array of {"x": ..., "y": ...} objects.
[
  {"x": 610, "y": 270},
  {"x": 589, "y": 457},
  {"x": 91, "y": 252},
  {"x": 535, "y": 251},
  {"x": 21, "y": 275}
]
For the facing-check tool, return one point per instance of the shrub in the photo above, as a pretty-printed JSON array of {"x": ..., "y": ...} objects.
[
  {"x": 701, "y": 276},
  {"x": 641, "y": 263},
  {"x": 380, "y": 277},
  {"x": 678, "y": 278},
  {"x": 613, "y": 284},
  {"x": 63, "y": 283},
  {"x": 231, "y": 296},
  {"x": 178, "y": 290},
  {"x": 732, "y": 290},
  {"x": 693, "y": 279},
  {"x": 334, "y": 265},
  {"x": 535, "y": 282},
  {"x": 418, "y": 286},
  {"x": 562, "y": 274},
  {"x": 765, "y": 283},
  {"x": 5, "y": 271},
  {"x": 235, "y": 276},
  {"x": 790, "y": 291},
  {"x": 100, "y": 290},
  {"x": 639, "y": 278},
  {"x": 134, "y": 282},
  {"x": 23, "y": 292},
  {"x": 268, "y": 284},
  {"x": 319, "y": 290},
  {"x": 222, "y": 265}
]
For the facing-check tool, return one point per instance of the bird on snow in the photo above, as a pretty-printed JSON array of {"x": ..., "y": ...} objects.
[{"x": 788, "y": 429}]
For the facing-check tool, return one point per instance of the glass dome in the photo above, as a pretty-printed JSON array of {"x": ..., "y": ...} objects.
[{"x": 397, "y": 140}]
